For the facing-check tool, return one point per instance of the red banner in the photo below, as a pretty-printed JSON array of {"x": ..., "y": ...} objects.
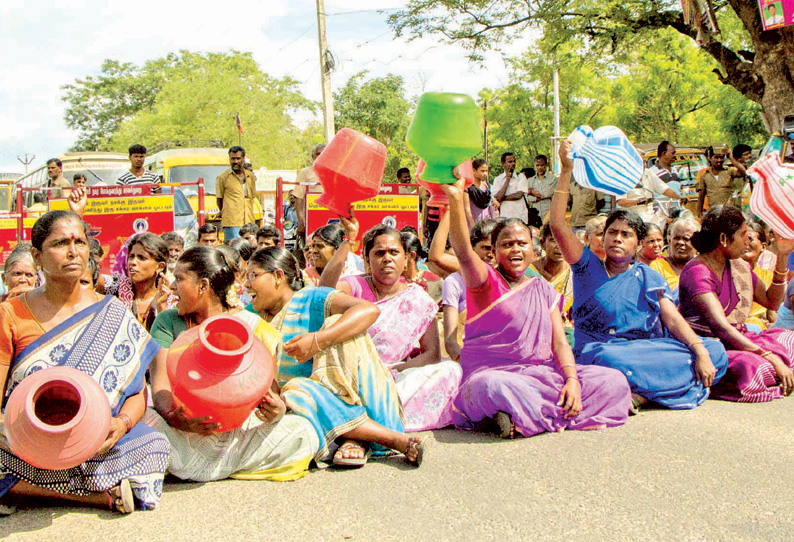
[
  {"x": 114, "y": 213},
  {"x": 394, "y": 209}
]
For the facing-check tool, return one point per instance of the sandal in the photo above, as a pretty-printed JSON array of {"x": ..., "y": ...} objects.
[
  {"x": 507, "y": 429},
  {"x": 351, "y": 462},
  {"x": 636, "y": 402},
  {"x": 120, "y": 498},
  {"x": 420, "y": 446}
]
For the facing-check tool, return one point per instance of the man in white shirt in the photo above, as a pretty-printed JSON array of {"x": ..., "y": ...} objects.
[
  {"x": 639, "y": 198},
  {"x": 137, "y": 174},
  {"x": 306, "y": 177},
  {"x": 664, "y": 164},
  {"x": 542, "y": 186},
  {"x": 772, "y": 18},
  {"x": 509, "y": 190}
]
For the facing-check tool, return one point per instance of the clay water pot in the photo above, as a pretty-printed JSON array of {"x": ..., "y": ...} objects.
[
  {"x": 437, "y": 196},
  {"x": 221, "y": 370},
  {"x": 350, "y": 169},
  {"x": 57, "y": 418},
  {"x": 444, "y": 132}
]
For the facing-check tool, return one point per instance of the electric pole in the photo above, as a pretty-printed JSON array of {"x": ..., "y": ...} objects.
[
  {"x": 326, "y": 65},
  {"x": 26, "y": 161}
]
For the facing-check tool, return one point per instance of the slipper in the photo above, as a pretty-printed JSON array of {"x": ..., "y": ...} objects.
[
  {"x": 351, "y": 462},
  {"x": 636, "y": 402},
  {"x": 121, "y": 498},
  {"x": 421, "y": 447}
]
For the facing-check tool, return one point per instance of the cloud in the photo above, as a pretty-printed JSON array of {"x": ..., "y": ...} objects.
[{"x": 55, "y": 42}]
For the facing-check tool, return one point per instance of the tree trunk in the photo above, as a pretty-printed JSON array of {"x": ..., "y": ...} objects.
[{"x": 773, "y": 64}]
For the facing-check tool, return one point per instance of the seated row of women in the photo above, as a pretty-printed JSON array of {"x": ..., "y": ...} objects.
[{"x": 358, "y": 356}]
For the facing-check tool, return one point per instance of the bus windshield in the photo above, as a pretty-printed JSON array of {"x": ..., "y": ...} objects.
[
  {"x": 190, "y": 174},
  {"x": 95, "y": 175}
]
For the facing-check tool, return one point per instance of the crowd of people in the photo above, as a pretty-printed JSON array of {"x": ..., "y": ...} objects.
[{"x": 515, "y": 320}]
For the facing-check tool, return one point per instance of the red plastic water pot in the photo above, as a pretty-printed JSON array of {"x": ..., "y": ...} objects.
[
  {"x": 57, "y": 418},
  {"x": 350, "y": 169},
  {"x": 437, "y": 196},
  {"x": 221, "y": 370}
]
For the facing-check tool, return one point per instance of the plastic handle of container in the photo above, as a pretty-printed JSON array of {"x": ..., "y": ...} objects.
[{"x": 577, "y": 138}]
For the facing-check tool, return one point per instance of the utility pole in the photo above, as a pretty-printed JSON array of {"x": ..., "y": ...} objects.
[
  {"x": 556, "y": 141},
  {"x": 485, "y": 126},
  {"x": 26, "y": 161},
  {"x": 326, "y": 64}
]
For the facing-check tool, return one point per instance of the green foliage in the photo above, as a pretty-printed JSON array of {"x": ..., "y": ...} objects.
[
  {"x": 379, "y": 108},
  {"x": 196, "y": 96},
  {"x": 661, "y": 90}
]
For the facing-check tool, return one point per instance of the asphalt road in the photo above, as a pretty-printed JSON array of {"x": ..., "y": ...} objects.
[{"x": 720, "y": 472}]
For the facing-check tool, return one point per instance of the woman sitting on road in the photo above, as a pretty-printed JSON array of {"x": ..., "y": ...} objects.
[
  {"x": 717, "y": 292},
  {"x": 269, "y": 445},
  {"x": 624, "y": 316},
  {"x": 428, "y": 281},
  {"x": 405, "y": 333},
  {"x": 322, "y": 246},
  {"x": 63, "y": 324},
  {"x": 139, "y": 277},
  {"x": 679, "y": 252},
  {"x": 652, "y": 245},
  {"x": 328, "y": 368},
  {"x": 519, "y": 374},
  {"x": 19, "y": 271}
]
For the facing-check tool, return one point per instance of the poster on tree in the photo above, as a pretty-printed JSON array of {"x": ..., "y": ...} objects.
[{"x": 776, "y": 13}]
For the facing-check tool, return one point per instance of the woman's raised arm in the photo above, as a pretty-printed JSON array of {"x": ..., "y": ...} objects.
[
  {"x": 570, "y": 245},
  {"x": 472, "y": 268},
  {"x": 438, "y": 254}
]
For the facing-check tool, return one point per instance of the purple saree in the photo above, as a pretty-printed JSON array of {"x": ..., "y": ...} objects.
[
  {"x": 750, "y": 377},
  {"x": 508, "y": 365}
]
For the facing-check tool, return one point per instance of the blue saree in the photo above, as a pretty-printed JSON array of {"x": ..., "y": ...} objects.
[
  {"x": 341, "y": 387},
  {"x": 617, "y": 323},
  {"x": 105, "y": 342}
]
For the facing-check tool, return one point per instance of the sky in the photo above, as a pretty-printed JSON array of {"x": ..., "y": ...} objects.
[{"x": 51, "y": 43}]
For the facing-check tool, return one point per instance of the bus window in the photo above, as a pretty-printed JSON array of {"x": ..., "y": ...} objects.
[{"x": 190, "y": 174}]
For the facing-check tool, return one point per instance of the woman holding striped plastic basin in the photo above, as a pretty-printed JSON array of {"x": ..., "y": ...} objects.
[{"x": 623, "y": 314}]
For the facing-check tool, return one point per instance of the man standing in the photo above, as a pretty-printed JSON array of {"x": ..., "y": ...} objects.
[
  {"x": 542, "y": 186},
  {"x": 664, "y": 164},
  {"x": 640, "y": 197},
  {"x": 136, "y": 174},
  {"x": 306, "y": 177},
  {"x": 718, "y": 183},
  {"x": 55, "y": 173},
  {"x": 235, "y": 191},
  {"x": 290, "y": 221},
  {"x": 509, "y": 190},
  {"x": 586, "y": 204}
]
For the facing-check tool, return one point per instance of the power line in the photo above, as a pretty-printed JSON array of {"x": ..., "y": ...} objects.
[{"x": 381, "y": 10}]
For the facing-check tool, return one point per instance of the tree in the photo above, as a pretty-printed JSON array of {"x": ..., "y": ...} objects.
[
  {"x": 758, "y": 64},
  {"x": 194, "y": 95},
  {"x": 97, "y": 106},
  {"x": 379, "y": 108}
]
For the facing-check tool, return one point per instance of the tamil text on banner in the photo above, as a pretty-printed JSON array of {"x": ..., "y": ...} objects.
[
  {"x": 776, "y": 13},
  {"x": 114, "y": 213},
  {"x": 395, "y": 210},
  {"x": 9, "y": 236}
]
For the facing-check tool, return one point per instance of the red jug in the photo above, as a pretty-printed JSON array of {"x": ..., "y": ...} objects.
[
  {"x": 437, "y": 196},
  {"x": 57, "y": 418},
  {"x": 350, "y": 169},
  {"x": 221, "y": 370}
]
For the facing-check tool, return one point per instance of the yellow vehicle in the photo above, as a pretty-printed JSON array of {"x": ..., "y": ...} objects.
[
  {"x": 7, "y": 181},
  {"x": 182, "y": 165},
  {"x": 98, "y": 168},
  {"x": 688, "y": 163}
]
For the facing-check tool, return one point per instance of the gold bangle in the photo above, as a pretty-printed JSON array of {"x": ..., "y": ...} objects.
[
  {"x": 568, "y": 365},
  {"x": 776, "y": 283},
  {"x": 562, "y": 191},
  {"x": 316, "y": 342},
  {"x": 574, "y": 377}
]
